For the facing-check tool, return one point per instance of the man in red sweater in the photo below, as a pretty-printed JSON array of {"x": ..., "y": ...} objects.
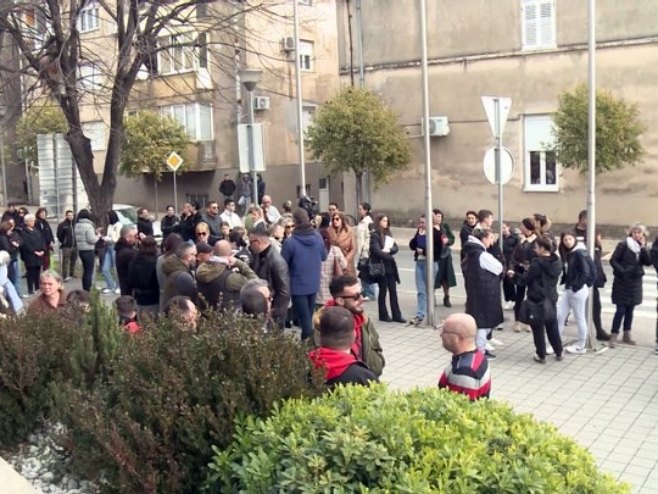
[
  {"x": 335, "y": 355},
  {"x": 468, "y": 372}
]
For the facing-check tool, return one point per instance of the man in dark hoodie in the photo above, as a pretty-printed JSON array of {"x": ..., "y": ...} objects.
[
  {"x": 178, "y": 274},
  {"x": 335, "y": 355},
  {"x": 304, "y": 251},
  {"x": 220, "y": 279},
  {"x": 125, "y": 253}
]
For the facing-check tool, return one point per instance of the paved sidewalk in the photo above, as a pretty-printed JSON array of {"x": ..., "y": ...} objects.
[{"x": 606, "y": 402}]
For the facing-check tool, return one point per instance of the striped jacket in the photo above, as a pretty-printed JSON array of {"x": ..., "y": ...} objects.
[{"x": 469, "y": 374}]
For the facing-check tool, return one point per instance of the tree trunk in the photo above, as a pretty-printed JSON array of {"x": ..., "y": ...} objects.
[
  {"x": 359, "y": 188},
  {"x": 155, "y": 185}
]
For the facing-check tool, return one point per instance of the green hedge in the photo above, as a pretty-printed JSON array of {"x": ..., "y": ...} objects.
[{"x": 372, "y": 440}]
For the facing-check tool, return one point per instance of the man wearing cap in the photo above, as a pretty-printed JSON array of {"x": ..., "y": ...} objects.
[
  {"x": 203, "y": 253},
  {"x": 268, "y": 264},
  {"x": 468, "y": 372}
]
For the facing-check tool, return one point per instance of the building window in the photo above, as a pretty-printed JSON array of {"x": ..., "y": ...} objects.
[
  {"x": 95, "y": 131},
  {"x": 178, "y": 53},
  {"x": 308, "y": 111},
  {"x": 541, "y": 169},
  {"x": 305, "y": 55},
  {"x": 90, "y": 77},
  {"x": 195, "y": 117},
  {"x": 88, "y": 17},
  {"x": 538, "y": 24}
]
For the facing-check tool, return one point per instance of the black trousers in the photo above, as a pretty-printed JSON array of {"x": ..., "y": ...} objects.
[
  {"x": 388, "y": 283},
  {"x": 87, "y": 258},
  {"x": 32, "y": 274},
  {"x": 539, "y": 333},
  {"x": 509, "y": 290},
  {"x": 596, "y": 310},
  {"x": 520, "y": 295}
]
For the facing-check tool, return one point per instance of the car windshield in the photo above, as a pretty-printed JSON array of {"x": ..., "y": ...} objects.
[{"x": 127, "y": 215}]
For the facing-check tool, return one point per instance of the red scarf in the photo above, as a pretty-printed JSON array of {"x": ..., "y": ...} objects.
[
  {"x": 333, "y": 361},
  {"x": 359, "y": 320}
]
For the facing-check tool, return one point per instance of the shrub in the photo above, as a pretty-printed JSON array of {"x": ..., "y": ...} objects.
[
  {"x": 371, "y": 440},
  {"x": 170, "y": 395},
  {"x": 40, "y": 352}
]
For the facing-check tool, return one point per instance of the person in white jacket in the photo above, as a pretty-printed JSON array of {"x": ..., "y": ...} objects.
[
  {"x": 363, "y": 230},
  {"x": 109, "y": 258}
]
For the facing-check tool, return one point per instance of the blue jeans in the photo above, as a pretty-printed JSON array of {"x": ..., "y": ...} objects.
[
  {"x": 15, "y": 275},
  {"x": 421, "y": 287},
  {"x": 109, "y": 262},
  {"x": 369, "y": 290},
  {"x": 304, "y": 305}
]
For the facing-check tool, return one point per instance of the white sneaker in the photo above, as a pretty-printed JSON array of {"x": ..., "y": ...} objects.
[
  {"x": 549, "y": 350},
  {"x": 497, "y": 342},
  {"x": 489, "y": 347},
  {"x": 118, "y": 291},
  {"x": 576, "y": 350},
  {"x": 508, "y": 305},
  {"x": 105, "y": 291}
]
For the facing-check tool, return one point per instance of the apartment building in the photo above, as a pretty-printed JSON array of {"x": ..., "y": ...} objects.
[{"x": 529, "y": 51}]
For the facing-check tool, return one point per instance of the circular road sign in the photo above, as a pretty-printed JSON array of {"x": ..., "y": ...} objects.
[{"x": 506, "y": 165}]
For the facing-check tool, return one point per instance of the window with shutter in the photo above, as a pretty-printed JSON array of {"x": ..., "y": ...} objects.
[
  {"x": 538, "y": 24},
  {"x": 541, "y": 168}
]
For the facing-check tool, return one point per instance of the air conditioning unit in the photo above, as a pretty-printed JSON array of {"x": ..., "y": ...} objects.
[
  {"x": 438, "y": 126},
  {"x": 288, "y": 44},
  {"x": 261, "y": 103}
]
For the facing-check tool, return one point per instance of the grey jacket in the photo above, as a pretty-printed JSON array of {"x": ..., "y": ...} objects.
[
  {"x": 270, "y": 266},
  {"x": 85, "y": 235}
]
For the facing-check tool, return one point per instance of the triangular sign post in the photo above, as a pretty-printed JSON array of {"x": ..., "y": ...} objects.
[{"x": 489, "y": 103}]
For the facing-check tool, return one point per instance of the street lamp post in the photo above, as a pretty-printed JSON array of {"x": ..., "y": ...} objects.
[
  {"x": 3, "y": 111},
  {"x": 249, "y": 79}
]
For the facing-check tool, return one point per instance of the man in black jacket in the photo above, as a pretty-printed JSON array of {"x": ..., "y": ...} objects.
[
  {"x": 169, "y": 223},
  {"x": 268, "y": 264},
  {"x": 69, "y": 252},
  {"x": 144, "y": 223}
]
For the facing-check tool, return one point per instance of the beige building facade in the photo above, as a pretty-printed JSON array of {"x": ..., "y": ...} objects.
[{"x": 529, "y": 51}]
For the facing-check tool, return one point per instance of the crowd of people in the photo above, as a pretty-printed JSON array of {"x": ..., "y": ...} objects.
[{"x": 316, "y": 269}]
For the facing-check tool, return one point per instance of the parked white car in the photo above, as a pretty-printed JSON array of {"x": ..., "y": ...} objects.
[{"x": 128, "y": 216}]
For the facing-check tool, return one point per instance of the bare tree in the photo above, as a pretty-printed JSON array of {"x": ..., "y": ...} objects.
[{"x": 52, "y": 53}]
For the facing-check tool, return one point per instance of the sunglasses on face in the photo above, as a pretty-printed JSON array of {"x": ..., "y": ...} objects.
[
  {"x": 201, "y": 233},
  {"x": 357, "y": 296}
]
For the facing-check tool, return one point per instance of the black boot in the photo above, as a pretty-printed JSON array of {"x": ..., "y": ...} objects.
[
  {"x": 446, "y": 301},
  {"x": 602, "y": 336}
]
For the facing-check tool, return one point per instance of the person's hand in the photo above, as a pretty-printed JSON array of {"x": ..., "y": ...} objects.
[
  {"x": 141, "y": 236},
  {"x": 419, "y": 252},
  {"x": 230, "y": 261},
  {"x": 510, "y": 273}
]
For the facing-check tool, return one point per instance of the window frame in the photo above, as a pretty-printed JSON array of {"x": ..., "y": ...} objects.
[
  {"x": 306, "y": 55},
  {"x": 542, "y": 29},
  {"x": 91, "y": 14},
  {"x": 92, "y": 81},
  {"x": 308, "y": 111},
  {"x": 532, "y": 145},
  {"x": 178, "y": 55},
  {"x": 196, "y": 112}
]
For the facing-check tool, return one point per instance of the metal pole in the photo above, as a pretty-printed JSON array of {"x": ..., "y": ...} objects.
[
  {"x": 252, "y": 160},
  {"x": 362, "y": 81},
  {"x": 428, "y": 167},
  {"x": 55, "y": 159},
  {"x": 300, "y": 110},
  {"x": 591, "y": 157},
  {"x": 499, "y": 172},
  {"x": 2, "y": 164},
  {"x": 175, "y": 194}
]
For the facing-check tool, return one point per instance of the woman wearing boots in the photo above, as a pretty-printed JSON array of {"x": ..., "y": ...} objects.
[
  {"x": 383, "y": 249},
  {"x": 443, "y": 240},
  {"x": 627, "y": 263}
]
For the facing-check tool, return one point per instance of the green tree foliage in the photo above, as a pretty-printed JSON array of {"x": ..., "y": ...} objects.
[
  {"x": 359, "y": 439},
  {"x": 38, "y": 119},
  {"x": 356, "y": 132},
  {"x": 618, "y": 131},
  {"x": 148, "y": 139}
]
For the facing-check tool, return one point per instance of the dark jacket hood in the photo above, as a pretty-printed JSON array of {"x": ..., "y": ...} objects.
[
  {"x": 550, "y": 265},
  {"x": 122, "y": 243},
  {"x": 305, "y": 234}
]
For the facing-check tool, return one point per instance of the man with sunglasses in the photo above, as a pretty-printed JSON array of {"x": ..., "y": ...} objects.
[
  {"x": 468, "y": 372},
  {"x": 346, "y": 292}
]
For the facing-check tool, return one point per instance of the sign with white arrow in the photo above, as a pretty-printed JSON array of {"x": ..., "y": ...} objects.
[{"x": 504, "y": 106}]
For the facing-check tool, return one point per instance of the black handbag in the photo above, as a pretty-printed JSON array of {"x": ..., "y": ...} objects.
[
  {"x": 376, "y": 269},
  {"x": 531, "y": 312}
]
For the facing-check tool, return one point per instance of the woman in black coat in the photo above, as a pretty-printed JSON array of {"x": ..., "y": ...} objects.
[
  {"x": 47, "y": 233},
  {"x": 10, "y": 241},
  {"x": 443, "y": 240},
  {"x": 383, "y": 250},
  {"x": 627, "y": 263},
  {"x": 142, "y": 278},
  {"x": 33, "y": 248},
  {"x": 540, "y": 280}
]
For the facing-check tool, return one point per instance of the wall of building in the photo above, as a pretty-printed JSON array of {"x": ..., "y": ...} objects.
[{"x": 475, "y": 50}]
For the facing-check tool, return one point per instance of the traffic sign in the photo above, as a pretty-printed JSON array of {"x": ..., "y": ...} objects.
[
  {"x": 489, "y": 103},
  {"x": 506, "y": 165},
  {"x": 174, "y": 161}
]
